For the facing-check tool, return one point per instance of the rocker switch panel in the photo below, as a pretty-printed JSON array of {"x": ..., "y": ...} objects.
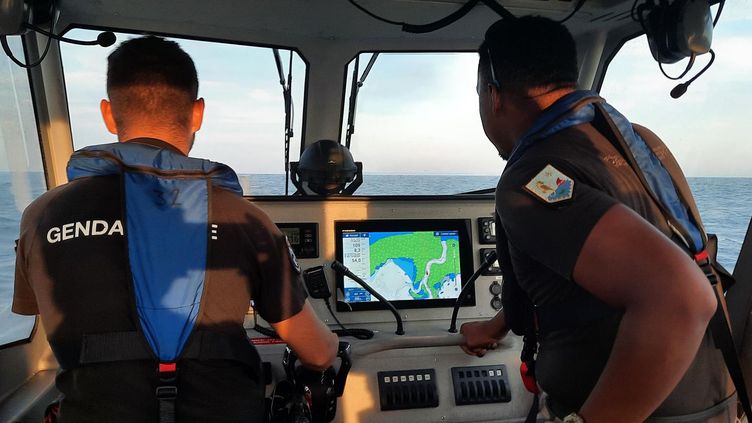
[
  {"x": 480, "y": 385},
  {"x": 406, "y": 389}
]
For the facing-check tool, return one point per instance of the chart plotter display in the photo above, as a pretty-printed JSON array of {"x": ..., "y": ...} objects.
[{"x": 411, "y": 263}]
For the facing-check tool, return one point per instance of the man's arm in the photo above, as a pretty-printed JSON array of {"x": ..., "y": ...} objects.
[
  {"x": 313, "y": 342},
  {"x": 667, "y": 303},
  {"x": 24, "y": 299}
]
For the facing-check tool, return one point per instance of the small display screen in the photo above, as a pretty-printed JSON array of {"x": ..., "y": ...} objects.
[
  {"x": 292, "y": 234},
  {"x": 411, "y": 263}
]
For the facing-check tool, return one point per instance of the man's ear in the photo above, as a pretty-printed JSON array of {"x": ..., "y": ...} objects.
[
  {"x": 109, "y": 120},
  {"x": 197, "y": 116},
  {"x": 495, "y": 97}
]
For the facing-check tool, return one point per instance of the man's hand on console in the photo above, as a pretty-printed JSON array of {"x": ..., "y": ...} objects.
[{"x": 483, "y": 336}]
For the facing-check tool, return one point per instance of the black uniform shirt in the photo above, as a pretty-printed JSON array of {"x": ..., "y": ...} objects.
[
  {"x": 546, "y": 222},
  {"x": 76, "y": 276}
]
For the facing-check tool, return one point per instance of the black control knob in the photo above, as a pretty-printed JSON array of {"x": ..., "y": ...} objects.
[
  {"x": 495, "y": 288},
  {"x": 496, "y": 303}
]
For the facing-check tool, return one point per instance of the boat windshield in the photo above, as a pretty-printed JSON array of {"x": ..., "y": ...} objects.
[
  {"x": 21, "y": 180},
  {"x": 244, "y": 121},
  {"x": 416, "y": 127}
]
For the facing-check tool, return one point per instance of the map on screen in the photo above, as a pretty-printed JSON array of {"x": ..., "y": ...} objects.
[{"x": 410, "y": 265}]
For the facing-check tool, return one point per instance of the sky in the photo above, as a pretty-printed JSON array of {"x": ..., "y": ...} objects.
[
  {"x": 411, "y": 121},
  {"x": 418, "y": 113}
]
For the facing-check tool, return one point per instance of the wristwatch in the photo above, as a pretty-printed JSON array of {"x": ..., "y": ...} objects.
[{"x": 573, "y": 418}]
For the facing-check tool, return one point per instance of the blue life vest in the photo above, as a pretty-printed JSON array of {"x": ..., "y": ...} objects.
[{"x": 166, "y": 197}]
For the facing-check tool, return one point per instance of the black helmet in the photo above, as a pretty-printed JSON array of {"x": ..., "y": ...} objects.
[{"x": 326, "y": 166}]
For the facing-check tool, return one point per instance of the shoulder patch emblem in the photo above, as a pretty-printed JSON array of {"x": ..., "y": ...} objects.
[
  {"x": 293, "y": 259},
  {"x": 551, "y": 186}
]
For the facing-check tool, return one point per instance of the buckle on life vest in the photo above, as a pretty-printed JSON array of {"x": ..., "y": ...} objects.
[
  {"x": 703, "y": 260},
  {"x": 167, "y": 391},
  {"x": 167, "y": 373},
  {"x": 167, "y": 368},
  {"x": 527, "y": 371}
]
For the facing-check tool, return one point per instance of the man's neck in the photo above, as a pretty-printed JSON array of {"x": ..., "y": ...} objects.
[
  {"x": 180, "y": 143},
  {"x": 544, "y": 97},
  {"x": 529, "y": 108}
]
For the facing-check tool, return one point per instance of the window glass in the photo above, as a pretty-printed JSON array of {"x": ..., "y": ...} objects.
[
  {"x": 21, "y": 180},
  {"x": 244, "y": 119},
  {"x": 707, "y": 129},
  {"x": 417, "y": 128}
]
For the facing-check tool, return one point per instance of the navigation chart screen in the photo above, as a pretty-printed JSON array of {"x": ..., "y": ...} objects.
[{"x": 411, "y": 263}]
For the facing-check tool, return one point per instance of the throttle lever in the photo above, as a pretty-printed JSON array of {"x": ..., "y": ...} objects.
[
  {"x": 344, "y": 352},
  {"x": 324, "y": 387}
]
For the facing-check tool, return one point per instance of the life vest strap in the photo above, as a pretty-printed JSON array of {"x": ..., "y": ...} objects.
[
  {"x": 167, "y": 391},
  {"x": 724, "y": 341},
  {"x": 532, "y": 415},
  {"x": 703, "y": 261},
  {"x": 112, "y": 347}
]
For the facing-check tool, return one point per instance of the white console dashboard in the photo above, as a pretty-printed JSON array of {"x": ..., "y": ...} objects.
[{"x": 421, "y": 376}]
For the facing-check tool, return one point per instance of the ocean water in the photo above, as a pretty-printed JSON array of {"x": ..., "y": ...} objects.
[
  {"x": 17, "y": 190},
  {"x": 725, "y": 205}
]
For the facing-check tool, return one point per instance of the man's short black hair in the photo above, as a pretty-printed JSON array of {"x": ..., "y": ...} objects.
[
  {"x": 151, "y": 76},
  {"x": 529, "y": 52}
]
